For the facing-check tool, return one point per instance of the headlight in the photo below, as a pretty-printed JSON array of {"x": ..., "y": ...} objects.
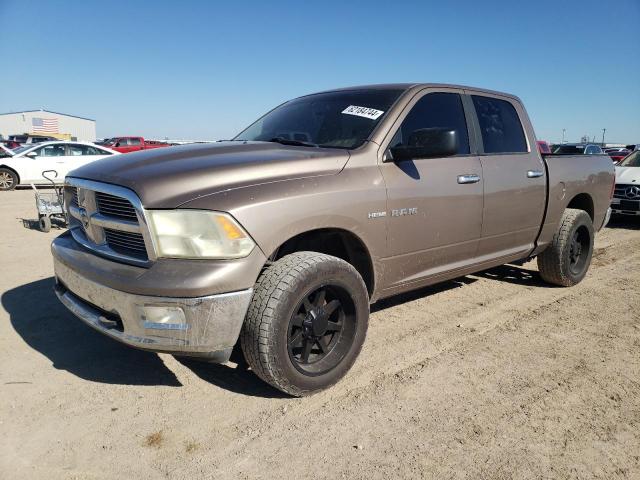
[{"x": 197, "y": 234}]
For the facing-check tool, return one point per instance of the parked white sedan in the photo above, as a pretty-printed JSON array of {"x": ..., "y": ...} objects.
[
  {"x": 626, "y": 197},
  {"x": 25, "y": 165}
]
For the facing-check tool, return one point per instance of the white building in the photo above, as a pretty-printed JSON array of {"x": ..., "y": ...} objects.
[{"x": 44, "y": 122}]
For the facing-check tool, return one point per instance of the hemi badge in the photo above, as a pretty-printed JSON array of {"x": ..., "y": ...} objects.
[{"x": 377, "y": 214}]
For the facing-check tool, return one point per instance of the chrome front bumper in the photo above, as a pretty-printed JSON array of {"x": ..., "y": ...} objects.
[{"x": 209, "y": 326}]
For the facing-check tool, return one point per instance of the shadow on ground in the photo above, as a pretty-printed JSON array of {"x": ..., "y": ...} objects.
[
  {"x": 46, "y": 326},
  {"x": 624, "y": 221},
  {"x": 238, "y": 378},
  {"x": 34, "y": 224},
  {"x": 515, "y": 274}
]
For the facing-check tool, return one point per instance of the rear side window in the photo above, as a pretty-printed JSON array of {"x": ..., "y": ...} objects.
[
  {"x": 435, "y": 110},
  {"x": 134, "y": 141},
  {"x": 500, "y": 126}
]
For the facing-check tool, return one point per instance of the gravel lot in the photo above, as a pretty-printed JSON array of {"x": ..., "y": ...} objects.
[{"x": 490, "y": 376}]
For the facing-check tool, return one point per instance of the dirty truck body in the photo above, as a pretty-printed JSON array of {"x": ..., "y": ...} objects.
[{"x": 280, "y": 239}]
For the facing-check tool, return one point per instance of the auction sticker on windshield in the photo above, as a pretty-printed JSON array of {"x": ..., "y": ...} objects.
[{"x": 365, "y": 112}]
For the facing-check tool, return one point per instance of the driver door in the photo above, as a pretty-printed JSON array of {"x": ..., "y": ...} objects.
[
  {"x": 48, "y": 157},
  {"x": 434, "y": 205}
]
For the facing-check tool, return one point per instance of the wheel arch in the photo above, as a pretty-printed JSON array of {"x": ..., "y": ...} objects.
[
  {"x": 334, "y": 241},
  {"x": 583, "y": 201},
  {"x": 7, "y": 167}
]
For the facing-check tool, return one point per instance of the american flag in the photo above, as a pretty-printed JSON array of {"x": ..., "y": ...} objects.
[{"x": 44, "y": 125}]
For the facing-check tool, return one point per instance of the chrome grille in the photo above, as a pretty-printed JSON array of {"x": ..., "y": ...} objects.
[
  {"x": 73, "y": 191},
  {"x": 126, "y": 243},
  {"x": 621, "y": 190},
  {"x": 108, "y": 220},
  {"x": 115, "y": 206}
]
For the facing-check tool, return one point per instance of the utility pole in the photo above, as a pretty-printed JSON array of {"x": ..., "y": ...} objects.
[
  {"x": 603, "y": 130},
  {"x": 563, "y": 130}
]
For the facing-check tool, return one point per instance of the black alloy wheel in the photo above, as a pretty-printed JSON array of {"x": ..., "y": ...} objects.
[
  {"x": 322, "y": 330},
  {"x": 578, "y": 250}
]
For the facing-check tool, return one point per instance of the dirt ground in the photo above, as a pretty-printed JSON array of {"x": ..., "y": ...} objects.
[{"x": 491, "y": 376}]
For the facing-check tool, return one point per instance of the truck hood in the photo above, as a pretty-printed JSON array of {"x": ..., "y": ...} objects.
[
  {"x": 628, "y": 175},
  {"x": 169, "y": 177}
]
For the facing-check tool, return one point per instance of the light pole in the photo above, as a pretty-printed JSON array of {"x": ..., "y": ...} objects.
[
  {"x": 563, "y": 130},
  {"x": 603, "y": 130}
]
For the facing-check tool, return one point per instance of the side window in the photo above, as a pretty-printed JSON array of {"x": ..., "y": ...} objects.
[
  {"x": 134, "y": 141},
  {"x": 51, "y": 151},
  {"x": 500, "y": 126},
  {"x": 75, "y": 150},
  {"x": 96, "y": 151},
  {"x": 435, "y": 110},
  {"x": 593, "y": 149},
  {"x": 122, "y": 142}
]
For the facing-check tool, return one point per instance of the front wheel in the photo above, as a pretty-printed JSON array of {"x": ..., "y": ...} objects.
[
  {"x": 8, "y": 179},
  {"x": 306, "y": 322},
  {"x": 565, "y": 262}
]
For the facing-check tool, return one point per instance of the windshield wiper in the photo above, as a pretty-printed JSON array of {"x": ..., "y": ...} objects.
[{"x": 285, "y": 141}]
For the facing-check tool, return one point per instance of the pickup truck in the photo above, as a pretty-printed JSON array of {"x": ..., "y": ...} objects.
[
  {"x": 278, "y": 241},
  {"x": 131, "y": 144}
]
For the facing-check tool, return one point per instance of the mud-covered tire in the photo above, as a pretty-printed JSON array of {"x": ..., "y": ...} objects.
[
  {"x": 8, "y": 179},
  {"x": 280, "y": 322},
  {"x": 563, "y": 263}
]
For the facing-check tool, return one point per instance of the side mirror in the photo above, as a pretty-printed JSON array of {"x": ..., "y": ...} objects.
[
  {"x": 427, "y": 143},
  {"x": 31, "y": 155}
]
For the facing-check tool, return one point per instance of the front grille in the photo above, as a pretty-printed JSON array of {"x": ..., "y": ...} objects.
[
  {"x": 115, "y": 206},
  {"x": 126, "y": 243},
  {"x": 620, "y": 192},
  {"x": 107, "y": 223},
  {"x": 74, "y": 195}
]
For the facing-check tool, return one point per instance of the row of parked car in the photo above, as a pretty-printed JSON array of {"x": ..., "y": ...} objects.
[
  {"x": 616, "y": 154},
  {"x": 23, "y": 163}
]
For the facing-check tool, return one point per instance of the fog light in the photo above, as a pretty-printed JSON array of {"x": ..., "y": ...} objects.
[{"x": 163, "y": 318}]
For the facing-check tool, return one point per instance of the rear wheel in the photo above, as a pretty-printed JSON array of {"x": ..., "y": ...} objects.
[
  {"x": 8, "y": 179},
  {"x": 566, "y": 261},
  {"x": 306, "y": 322}
]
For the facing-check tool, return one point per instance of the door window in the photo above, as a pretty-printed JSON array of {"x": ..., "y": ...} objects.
[
  {"x": 500, "y": 126},
  {"x": 51, "y": 151},
  {"x": 134, "y": 141},
  {"x": 435, "y": 110}
]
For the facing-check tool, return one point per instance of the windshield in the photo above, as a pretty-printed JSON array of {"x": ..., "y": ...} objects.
[
  {"x": 24, "y": 148},
  {"x": 569, "y": 149},
  {"x": 335, "y": 119},
  {"x": 632, "y": 160}
]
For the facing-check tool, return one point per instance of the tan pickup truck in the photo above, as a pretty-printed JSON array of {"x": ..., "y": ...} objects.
[{"x": 280, "y": 239}]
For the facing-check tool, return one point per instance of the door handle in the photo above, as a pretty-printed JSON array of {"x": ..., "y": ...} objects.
[
  {"x": 534, "y": 173},
  {"x": 464, "y": 179}
]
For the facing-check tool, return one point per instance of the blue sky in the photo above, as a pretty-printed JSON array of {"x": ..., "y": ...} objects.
[{"x": 206, "y": 69}]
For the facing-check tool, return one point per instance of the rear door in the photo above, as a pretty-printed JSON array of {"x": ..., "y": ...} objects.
[
  {"x": 80, "y": 155},
  {"x": 434, "y": 205},
  {"x": 514, "y": 177}
]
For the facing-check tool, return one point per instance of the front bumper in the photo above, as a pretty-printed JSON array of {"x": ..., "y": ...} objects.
[
  {"x": 209, "y": 326},
  {"x": 607, "y": 217}
]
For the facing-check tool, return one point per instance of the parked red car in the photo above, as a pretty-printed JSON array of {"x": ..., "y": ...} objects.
[
  {"x": 617, "y": 154},
  {"x": 131, "y": 144},
  {"x": 543, "y": 147}
]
